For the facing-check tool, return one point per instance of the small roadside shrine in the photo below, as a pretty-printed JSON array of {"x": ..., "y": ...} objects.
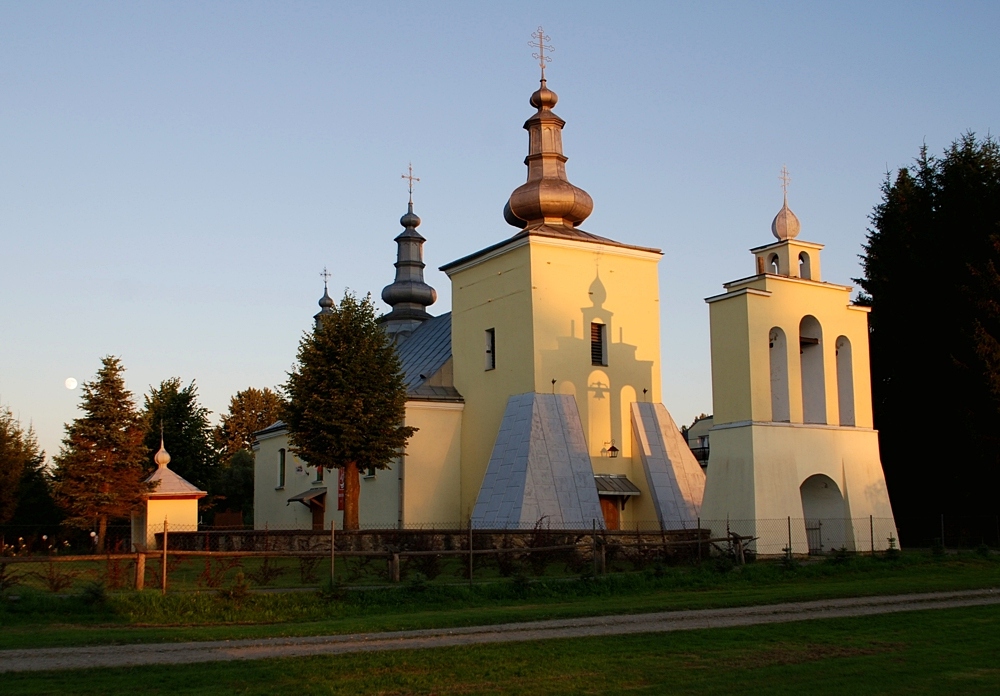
[{"x": 174, "y": 501}]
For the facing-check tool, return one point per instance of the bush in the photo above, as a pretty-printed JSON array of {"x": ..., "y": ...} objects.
[
  {"x": 238, "y": 591},
  {"x": 94, "y": 594}
]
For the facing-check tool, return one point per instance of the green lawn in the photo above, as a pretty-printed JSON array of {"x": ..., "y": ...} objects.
[
  {"x": 41, "y": 620},
  {"x": 928, "y": 652}
]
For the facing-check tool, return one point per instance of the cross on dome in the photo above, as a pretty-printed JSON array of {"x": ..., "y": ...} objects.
[
  {"x": 540, "y": 43},
  {"x": 411, "y": 179}
]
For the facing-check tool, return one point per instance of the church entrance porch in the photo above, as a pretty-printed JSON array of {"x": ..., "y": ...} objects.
[{"x": 315, "y": 500}]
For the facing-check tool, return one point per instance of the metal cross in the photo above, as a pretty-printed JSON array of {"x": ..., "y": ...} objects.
[
  {"x": 785, "y": 179},
  {"x": 539, "y": 43},
  {"x": 411, "y": 180},
  {"x": 325, "y": 276}
]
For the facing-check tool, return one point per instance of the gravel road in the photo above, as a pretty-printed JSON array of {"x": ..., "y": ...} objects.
[{"x": 211, "y": 651}]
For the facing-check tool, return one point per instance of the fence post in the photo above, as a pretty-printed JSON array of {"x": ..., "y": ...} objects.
[
  {"x": 333, "y": 566},
  {"x": 593, "y": 546},
  {"x": 699, "y": 539},
  {"x": 470, "y": 549},
  {"x": 140, "y": 570},
  {"x": 394, "y": 562},
  {"x": 871, "y": 531},
  {"x": 163, "y": 562},
  {"x": 789, "y": 536}
]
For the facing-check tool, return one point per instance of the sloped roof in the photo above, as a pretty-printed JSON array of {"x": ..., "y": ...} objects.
[
  {"x": 171, "y": 485},
  {"x": 422, "y": 355}
]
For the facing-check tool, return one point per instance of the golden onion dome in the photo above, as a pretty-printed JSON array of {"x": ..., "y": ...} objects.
[
  {"x": 547, "y": 198},
  {"x": 785, "y": 225}
]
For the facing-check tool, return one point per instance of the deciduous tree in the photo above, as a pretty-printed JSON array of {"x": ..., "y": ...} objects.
[
  {"x": 250, "y": 410},
  {"x": 347, "y": 397}
]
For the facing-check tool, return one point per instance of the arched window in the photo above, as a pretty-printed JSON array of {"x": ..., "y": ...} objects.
[
  {"x": 845, "y": 381},
  {"x": 772, "y": 264},
  {"x": 813, "y": 383},
  {"x": 805, "y": 269},
  {"x": 778, "y": 352}
]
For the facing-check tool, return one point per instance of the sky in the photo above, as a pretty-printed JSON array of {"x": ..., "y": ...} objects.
[{"x": 175, "y": 176}]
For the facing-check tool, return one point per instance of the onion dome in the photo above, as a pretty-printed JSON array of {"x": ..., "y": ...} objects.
[
  {"x": 162, "y": 457},
  {"x": 408, "y": 295},
  {"x": 786, "y": 224},
  {"x": 547, "y": 198},
  {"x": 326, "y": 302}
]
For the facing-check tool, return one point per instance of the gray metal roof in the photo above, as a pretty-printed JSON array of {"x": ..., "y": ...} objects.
[
  {"x": 615, "y": 484},
  {"x": 422, "y": 354}
]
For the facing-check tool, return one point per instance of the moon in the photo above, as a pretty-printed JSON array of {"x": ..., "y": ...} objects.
[{"x": 70, "y": 383}]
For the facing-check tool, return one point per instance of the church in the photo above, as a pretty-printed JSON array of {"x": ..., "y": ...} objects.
[{"x": 537, "y": 398}]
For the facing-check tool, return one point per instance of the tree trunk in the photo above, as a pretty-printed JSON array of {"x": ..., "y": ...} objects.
[
  {"x": 352, "y": 491},
  {"x": 102, "y": 530}
]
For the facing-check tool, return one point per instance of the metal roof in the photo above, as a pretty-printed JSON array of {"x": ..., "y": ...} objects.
[
  {"x": 422, "y": 354},
  {"x": 306, "y": 496},
  {"x": 615, "y": 484}
]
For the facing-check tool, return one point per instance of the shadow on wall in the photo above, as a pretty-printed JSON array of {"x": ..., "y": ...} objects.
[{"x": 615, "y": 378}]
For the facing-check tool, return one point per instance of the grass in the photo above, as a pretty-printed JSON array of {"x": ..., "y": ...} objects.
[
  {"x": 928, "y": 652},
  {"x": 42, "y": 620}
]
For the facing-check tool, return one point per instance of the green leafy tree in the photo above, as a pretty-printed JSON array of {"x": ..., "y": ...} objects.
[
  {"x": 102, "y": 463},
  {"x": 234, "y": 484},
  {"x": 19, "y": 456},
  {"x": 250, "y": 410},
  {"x": 931, "y": 278},
  {"x": 186, "y": 432},
  {"x": 347, "y": 397}
]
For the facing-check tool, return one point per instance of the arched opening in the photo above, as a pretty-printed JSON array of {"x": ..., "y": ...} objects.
[
  {"x": 778, "y": 353},
  {"x": 811, "y": 358},
  {"x": 845, "y": 381},
  {"x": 805, "y": 269},
  {"x": 772, "y": 264},
  {"x": 824, "y": 513}
]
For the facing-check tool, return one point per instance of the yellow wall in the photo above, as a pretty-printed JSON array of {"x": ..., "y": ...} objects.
[
  {"x": 537, "y": 294},
  {"x": 181, "y": 516},
  {"x": 741, "y": 323},
  {"x": 432, "y": 466}
]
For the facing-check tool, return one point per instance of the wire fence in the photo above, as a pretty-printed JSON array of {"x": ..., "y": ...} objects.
[{"x": 199, "y": 558}]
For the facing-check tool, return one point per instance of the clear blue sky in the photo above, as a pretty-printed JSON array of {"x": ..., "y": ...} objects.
[{"x": 174, "y": 176}]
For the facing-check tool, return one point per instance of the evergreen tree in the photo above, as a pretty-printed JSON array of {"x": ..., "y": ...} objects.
[
  {"x": 347, "y": 397},
  {"x": 930, "y": 267},
  {"x": 250, "y": 410},
  {"x": 186, "y": 430},
  {"x": 102, "y": 462},
  {"x": 19, "y": 456}
]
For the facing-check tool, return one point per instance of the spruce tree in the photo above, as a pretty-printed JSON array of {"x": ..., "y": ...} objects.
[
  {"x": 186, "y": 430},
  {"x": 931, "y": 277},
  {"x": 19, "y": 457},
  {"x": 102, "y": 462},
  {"x": 347, "y": 397},
  {"x": 250, "y": 410}
]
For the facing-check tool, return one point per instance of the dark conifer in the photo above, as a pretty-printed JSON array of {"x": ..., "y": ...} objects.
[
  {"x": 185, "y": 430},
  {"x": 102, "y": 462}
]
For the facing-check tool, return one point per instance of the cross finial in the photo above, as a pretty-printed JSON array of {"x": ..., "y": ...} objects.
[
  {"x": 411, "y": 179},
  {"x": 542, "y": 46},
  {"x": 325, "y": 276},
  {"x": 785, "y": 180}
]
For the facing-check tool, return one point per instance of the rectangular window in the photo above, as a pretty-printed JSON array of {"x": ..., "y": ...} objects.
[
  {"x": 319, "y": 474},
  {"x": 491, "y": 349},
  {"x": 598, "y": 349},
  {"x": 281, "y": 468}
]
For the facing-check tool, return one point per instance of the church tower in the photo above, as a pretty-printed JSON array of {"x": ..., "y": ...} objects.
[
  {"x": 408, "y": 295},
  {"x": 793, "y": 440},
  {"x": 556, "y": 337}
]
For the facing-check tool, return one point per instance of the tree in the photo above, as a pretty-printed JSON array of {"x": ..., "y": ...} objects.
[
  {"x": 250, "y": 410},
  {"x": 19, "y": 455},
  {"x": 101, "y": 465},
  {"x": 234, "y": 484},
  {"x": 186, "y": 430},
  {"x": 931, "y": 278},
  {"x": 347, "y": 397}
]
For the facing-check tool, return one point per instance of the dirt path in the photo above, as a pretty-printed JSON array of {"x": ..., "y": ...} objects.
[{"x": 210, "y": 651}]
